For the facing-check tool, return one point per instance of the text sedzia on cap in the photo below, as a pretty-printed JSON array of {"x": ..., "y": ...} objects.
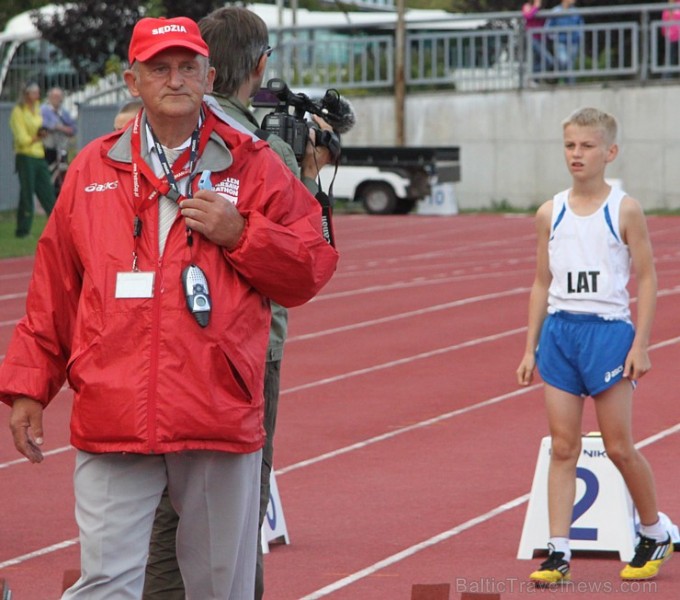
[{"x": 151, "y": 36}]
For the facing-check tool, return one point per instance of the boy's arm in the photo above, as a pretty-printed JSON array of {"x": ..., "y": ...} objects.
[
  {"x": 635, "y": 234},
  {"x": 538, "y": 298}
]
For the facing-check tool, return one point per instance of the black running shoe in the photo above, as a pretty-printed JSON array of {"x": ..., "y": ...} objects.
[
  {"x": 649, "y": 556},
  {"x": 553, "y": 570}
]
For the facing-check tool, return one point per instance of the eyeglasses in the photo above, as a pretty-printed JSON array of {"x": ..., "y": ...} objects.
[{"x": 268, "y": 51}]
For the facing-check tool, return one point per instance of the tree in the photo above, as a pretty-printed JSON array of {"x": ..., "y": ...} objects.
[
  {"x": 91, "y": 32},
  {"x": 195, "y": 9},
  {"x": 94, "y": 34},
  {"x": 11, "y": 9}
]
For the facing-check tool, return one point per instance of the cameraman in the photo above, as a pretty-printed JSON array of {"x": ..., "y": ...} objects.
[{"x": 239, "y": 48}]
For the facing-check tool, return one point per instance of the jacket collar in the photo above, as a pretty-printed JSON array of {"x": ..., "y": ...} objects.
[{"x": 215, "y": 157}]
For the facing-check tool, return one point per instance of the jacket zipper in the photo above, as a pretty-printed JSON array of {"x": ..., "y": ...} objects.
[{"x": 154, "y": 360}]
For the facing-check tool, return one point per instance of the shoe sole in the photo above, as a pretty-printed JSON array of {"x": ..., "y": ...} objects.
[{"x": 546, "y": 582}]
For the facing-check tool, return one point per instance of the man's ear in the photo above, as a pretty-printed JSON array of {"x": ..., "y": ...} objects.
[
  {"x": 261, "y": 66},
  {"x": 210, "y": 80},
  {"x": 131, "y": 82}
]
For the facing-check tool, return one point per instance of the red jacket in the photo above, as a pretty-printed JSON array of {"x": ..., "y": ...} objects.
[{"x": 146, "y": 377}]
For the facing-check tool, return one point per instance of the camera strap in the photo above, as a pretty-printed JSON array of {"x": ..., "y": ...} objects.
[
  {"x": 323, "y": 199},
  {"x": 326, "y": 217},
  {"x": 326, "y": 202}
]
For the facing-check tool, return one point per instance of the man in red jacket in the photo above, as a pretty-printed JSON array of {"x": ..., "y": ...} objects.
[{"x": 150, "y": 294}]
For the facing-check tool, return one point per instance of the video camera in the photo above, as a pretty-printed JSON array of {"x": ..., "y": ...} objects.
[{"x": 294, "y": 128}]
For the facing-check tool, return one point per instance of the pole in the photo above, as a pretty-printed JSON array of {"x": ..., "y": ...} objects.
[{"x": 399, "y": 74}]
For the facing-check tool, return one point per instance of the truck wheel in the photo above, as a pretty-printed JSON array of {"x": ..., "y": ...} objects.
[{"x": 378, "y": 198}]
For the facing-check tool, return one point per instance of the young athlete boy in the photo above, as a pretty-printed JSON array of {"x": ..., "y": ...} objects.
[{"x": 581, "y": 337}]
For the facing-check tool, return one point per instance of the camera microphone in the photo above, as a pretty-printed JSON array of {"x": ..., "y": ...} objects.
[{"x": 337, "y": 112}]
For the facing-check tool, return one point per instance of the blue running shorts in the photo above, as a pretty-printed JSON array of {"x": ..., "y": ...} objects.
[{"x": 583, "y": 354}]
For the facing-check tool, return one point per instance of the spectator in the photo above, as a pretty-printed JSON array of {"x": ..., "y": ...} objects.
[
  {"x": 60, "y": 125},
  {"x": 26, "y": 124},
  {"x": 239, "y": 50},
  {"x": 126, "y": 112},
  {"x": 567, "y": 38},
  {"x": 671, "y": 34},
  {"x": 152, "y": 297},
  {"x": 541, "y": 58}
]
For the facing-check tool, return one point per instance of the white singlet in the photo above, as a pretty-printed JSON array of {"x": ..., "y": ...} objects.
[{"x": 589, "y": 262}]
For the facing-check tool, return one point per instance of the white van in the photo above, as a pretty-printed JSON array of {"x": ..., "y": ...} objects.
[{"x": 380, "y": 192}]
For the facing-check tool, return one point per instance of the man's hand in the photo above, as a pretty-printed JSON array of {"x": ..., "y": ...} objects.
[
  {"x": 315, "y": 156},
  {"x": 25, "y": 422},
  {"x": 215, "y": 217}
]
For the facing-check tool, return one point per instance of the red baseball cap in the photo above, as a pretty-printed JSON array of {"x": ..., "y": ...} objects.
[{"x": 150, "y": 36}]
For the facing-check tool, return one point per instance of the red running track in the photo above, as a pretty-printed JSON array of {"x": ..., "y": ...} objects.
[{"x": 405, "y": 450}]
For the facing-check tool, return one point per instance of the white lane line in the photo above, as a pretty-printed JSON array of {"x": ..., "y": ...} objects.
[
  {"x": 402, "y": 361},
  {"x": 408, "y": 314},
  {"x": 447, "y": 274},
  {"x": 408, "y": 551},
  {"x": 399, "y": 556},
  {"x": 20, "y": 461},
  {"x": 454, "y": 531},
  {"x": 18, "y": 275},
  {"x": 41, "y": 552},
  {"x": 406, "y": 429},
  {"x": 15, "y": 296},
  {"x": 329, "y": 380},
  {"x": 382, "y": 437}
]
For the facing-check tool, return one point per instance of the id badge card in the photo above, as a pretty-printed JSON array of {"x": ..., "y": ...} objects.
[{"x": 134, "y": 284}]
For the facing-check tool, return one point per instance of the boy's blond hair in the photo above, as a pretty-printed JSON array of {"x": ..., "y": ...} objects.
[{"x": 594, "y": 117}]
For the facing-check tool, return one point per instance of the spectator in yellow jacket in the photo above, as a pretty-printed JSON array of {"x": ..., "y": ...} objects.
[{"x": 25, "y": 121}]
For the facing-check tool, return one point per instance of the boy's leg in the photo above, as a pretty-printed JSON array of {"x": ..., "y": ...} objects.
[
  {"x": 614, "y": 414},
  {"x": 614, "y": 409},
  {"x": 116, "y": 497},
  {"x": 565, "y": 412}
]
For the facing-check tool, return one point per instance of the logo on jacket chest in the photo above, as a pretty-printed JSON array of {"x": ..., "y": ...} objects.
[
  {"x": 229, "y": 188},
  {"x": 101, "y": 187}
]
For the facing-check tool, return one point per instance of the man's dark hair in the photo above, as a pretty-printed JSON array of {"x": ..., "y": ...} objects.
[{"x": 237, "y": 39}]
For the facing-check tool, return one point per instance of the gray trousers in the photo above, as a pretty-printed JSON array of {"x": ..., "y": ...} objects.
[
  {"x": 163, "y": 578},
  {"x": 216, "y": 497}
]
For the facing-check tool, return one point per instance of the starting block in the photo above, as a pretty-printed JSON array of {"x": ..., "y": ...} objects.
[
  {"x": 274, "y": 528},
  {"x": 604, "y": 517},
  {"x": 430, "y": 591}
]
